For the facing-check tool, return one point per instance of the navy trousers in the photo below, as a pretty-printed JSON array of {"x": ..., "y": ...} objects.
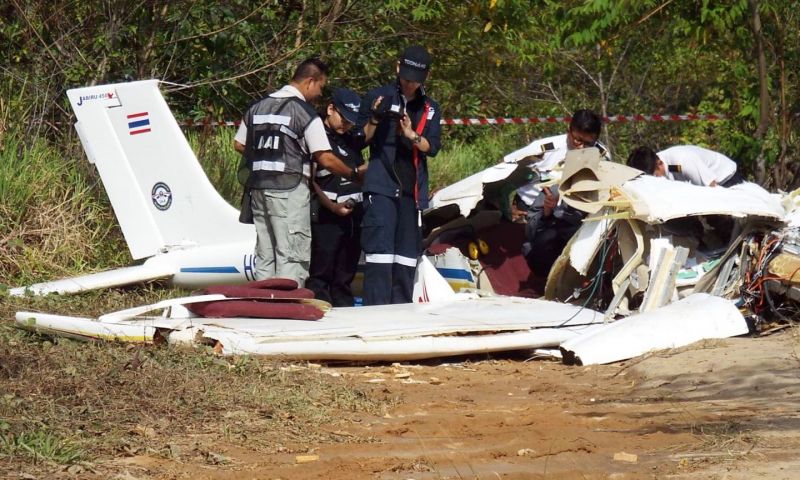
[{"x": 390, "y": 238}]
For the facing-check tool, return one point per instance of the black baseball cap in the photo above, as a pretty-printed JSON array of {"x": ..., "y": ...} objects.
[
  {"x": 415, "y": 63},
  {"x": 347, "y": 103}
]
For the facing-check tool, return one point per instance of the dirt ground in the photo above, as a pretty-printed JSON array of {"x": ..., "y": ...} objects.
[{"x": 725, "y": 409}]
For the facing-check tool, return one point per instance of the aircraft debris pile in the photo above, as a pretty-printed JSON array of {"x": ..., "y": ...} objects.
[{"x": 656, "y": 263}]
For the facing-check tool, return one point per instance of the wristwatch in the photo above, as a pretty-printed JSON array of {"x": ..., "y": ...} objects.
[{"x": 417, "y": 138}]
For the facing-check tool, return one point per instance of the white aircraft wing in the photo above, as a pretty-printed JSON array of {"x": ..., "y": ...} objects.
[
  {"x": 461, "y": 325},
  {"x": 93, "y": 281}
]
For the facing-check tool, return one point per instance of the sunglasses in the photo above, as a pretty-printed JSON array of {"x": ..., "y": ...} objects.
[{"x": 582, "y": 142}]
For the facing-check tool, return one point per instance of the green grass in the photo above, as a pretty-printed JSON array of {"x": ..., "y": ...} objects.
[
  {"x": 66, "y": 401},
  {"x": 40, "y": 445},
  {"x": 54, "y": 219},
  {"x": 214, "y": 150}
]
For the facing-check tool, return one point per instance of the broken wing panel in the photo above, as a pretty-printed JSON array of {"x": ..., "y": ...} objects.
[
  {"x": 84, "y": 328},
  {"x": 390, "y": 332},
  {"x": 468, "y": 192},
  {"x": 696, "y": 317}
]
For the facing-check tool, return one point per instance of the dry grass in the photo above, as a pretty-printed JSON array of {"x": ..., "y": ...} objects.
[
  {"x": 730, "y": 437},
  {"x": 54, "y": 220},
  {"x": 63, "y": 402},
  {"x": 57, "y": 241}
]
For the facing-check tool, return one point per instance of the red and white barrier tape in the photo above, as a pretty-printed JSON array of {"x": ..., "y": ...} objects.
[
  {"x": 520, "y": 120},
  {"x": 711, "y": 117},
  {"x": 611, "y": 119}
]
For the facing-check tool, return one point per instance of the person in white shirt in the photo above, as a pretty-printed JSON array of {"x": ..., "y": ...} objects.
[
  {"x": 687, "y": 163},
  {"x": 583, "y": 131}
]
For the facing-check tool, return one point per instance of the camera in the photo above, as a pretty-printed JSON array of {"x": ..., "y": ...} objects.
[{"x": 393, "y": 107}]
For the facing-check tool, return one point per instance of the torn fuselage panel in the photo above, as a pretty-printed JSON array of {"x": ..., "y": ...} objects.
[{"x": 613, "y": 249}]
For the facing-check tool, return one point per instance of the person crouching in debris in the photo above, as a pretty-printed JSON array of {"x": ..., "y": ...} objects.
[
  {"x": 549, "y": 222},
  {"x": 687, "y": 163},
  {"x": 336, "y": 207},
  {"x": 583, "y": 132},
  {"x": 279, "y": 136}
]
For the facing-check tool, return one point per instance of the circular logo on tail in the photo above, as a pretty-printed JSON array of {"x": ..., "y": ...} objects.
[{"x": 162, "y": 196}]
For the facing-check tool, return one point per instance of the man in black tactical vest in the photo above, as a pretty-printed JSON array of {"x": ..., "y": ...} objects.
[
  {"x": 402, "y": 126},
  {"x": 337, "y": 207},
  {"x": 279, "y": 136}
]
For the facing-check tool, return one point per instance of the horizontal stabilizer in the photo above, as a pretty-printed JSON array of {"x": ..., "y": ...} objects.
[{"x": 94, "y": 281}]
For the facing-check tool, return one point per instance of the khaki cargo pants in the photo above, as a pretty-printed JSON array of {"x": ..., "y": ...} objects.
[{"x": 283, "y": 228}]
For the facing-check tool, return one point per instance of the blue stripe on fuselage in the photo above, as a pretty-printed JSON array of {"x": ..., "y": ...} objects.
[
  {"x": 456, "y": 273},
  {"x": 209, "y": 270}
]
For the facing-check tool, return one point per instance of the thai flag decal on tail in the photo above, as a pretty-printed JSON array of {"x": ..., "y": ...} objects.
[{"x": 138, "y": 123}]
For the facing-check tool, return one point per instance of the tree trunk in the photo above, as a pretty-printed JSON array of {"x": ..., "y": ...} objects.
[
  {"x": 782, "y": 176},
  {"x": 329, "y": 24},
  {"x": 764, "y": 113},
  {"x": 298, "y": 39}
]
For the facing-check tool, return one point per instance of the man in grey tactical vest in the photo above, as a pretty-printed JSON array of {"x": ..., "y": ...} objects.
[{"x": 279, "y": 136}]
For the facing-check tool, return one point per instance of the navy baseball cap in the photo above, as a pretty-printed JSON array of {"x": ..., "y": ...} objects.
[
  {"x": 347, "y": 103},
  {"x": 415, "y": 63}
]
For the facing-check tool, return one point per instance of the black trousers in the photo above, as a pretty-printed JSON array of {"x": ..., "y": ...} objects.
[
  {"x": 335, "y": 250},
  {"x": 735, "y": 179}
]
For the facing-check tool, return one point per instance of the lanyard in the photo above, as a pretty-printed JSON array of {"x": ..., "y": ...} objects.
[{"x": 415, "y": 150}]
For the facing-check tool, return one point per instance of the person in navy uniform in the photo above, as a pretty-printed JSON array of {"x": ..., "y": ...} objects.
[
  {"x": 401, "y": 124},
  {"x": 337, "y": 207}
]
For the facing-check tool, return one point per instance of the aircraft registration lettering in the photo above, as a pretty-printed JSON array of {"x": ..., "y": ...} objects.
[
  {"x": 105, "y": 98},
  {"x": 249, "y": 265}
]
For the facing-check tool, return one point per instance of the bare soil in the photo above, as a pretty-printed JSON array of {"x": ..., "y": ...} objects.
[{"x": 723, "y": 409}]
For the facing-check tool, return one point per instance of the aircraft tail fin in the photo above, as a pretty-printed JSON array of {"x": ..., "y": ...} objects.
[{"x": 159, "y": 192}]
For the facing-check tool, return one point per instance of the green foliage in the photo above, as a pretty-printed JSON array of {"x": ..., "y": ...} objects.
[{"x": 214, "y": 150}]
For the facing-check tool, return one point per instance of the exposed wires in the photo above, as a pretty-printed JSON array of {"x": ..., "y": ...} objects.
[
  {"x": 755, "y": 289},
  {"x": 603, "y": 267}
]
